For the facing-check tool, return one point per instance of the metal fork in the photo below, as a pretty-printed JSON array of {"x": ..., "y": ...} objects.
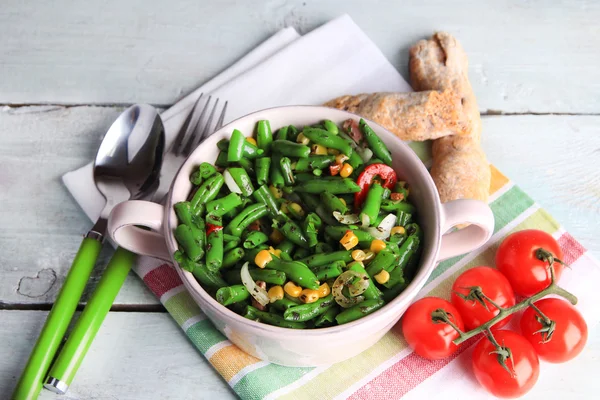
[{"x": 197, "y": 127}]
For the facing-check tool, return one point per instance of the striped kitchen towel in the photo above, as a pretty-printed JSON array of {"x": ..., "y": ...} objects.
[{"x": 389, "y": 369}]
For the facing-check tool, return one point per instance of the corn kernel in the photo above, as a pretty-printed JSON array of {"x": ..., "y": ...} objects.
[
  {"x": 346, "y": 170},
  {"x": 319, "y": 149},
  {"x": 324, "y": 290},
  {"x": 276, "y": 236},
  {"x": 292, "y": 290},
  {"x": 302, "y": 139},
  {"x": 251, "y": 140},
  {"x": 358, "y": 255},
  {"x": 333, "y": 152},
  {"x": 276, "y": 192},
  {"x": 349, "y": 240},
  {"x": 309, "y": 296},
  {"x": 343, "y": 201},
  {"x": 262, "y": 258},
  {"x": 398, "y": 229},
  {"x": 275, "y": 252},
  {"x": 284, "y": 208},
  {"x": 275, "y": 293},
  {"x": 341, "y": 158},
  {"x": 377, "y": 245},
  {"x": 369, "y": 255},
  {"x": 382, "y": 277},
  {"x": 297, "y": 209}
]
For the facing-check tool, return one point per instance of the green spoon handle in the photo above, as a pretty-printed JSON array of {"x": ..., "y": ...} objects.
[
  {"x": 73, "y": 352},
  {"x": 57, "y": 322}
]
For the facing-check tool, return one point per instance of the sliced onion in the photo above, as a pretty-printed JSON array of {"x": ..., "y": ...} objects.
[
  {"x": 230, "y": 182},
  {"x": 365, "y": 221},
  {"x": 346, "y": 219},
  {"x": 344, "y": 280},
  {"x": 365, "y": 153},
  {"x": 384, "y": 229},
  {"x": 259, "y": 294}
]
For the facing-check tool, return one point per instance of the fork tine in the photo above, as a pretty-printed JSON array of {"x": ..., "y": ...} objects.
[
  {"x": 186, "y": 126},
  {"x": 206, "y": 129},
  {"x": 185, "y": 145},
  {"x": 221, "y": 117}
]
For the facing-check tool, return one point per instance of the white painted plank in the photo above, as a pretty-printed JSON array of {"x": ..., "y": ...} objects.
[
  {"x": 135, "y": 356},
  {"x": 556, "y": 160},
  {"x": 533, "y": 56},
  {"x": 42, "y": 226}
]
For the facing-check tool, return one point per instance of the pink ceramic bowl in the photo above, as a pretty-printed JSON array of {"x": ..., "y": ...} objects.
[{"x": 310, "y": 347}]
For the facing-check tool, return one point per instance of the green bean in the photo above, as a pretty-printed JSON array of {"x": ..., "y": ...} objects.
[
  {"x": 222, "y": 206},
  {"x": 403, "y": 218},
  {"x": 407, "y": 250},
  {"x": 286, "y": 246},
  {"x": 292, "y": 133},
  {"x": 248, "y": 166},
  {"x": 255, "y": 238},
  {"x": 208, "y": 191},
  {"x": 190, "y": 246},
  {"x": 337, "y": 232},
  {"x": 331, "y": 127},
  {"x": 249, "y": 150},
  {"x": 310, "y": 201},
  {"x": 306, "y": 312},
  {"x": 333, "y": 203},
  {"x": 386, "y": 193},
  {"x": 290, "y": 149},
  {"x": 263, "y": 195},
  {"x": 184, "y": 213},
  {"x": 372, "y": 291},
  {"x": 390, "y": 294},
  {"x": 232, "y": 257},
  {"x": 269, "y": 276},
  {"x": 214, "y": 219},
  {"x": 275, "y": 175},
  {"x": 314, "y": 162},
  {"x": 300, "y": 253},
  {"x": 292, "y": 232},
  {"x": 397, "y": 238},
  {"x": 296, "y": 272},
  {"x": 264, "y": 135},
  {"x": 383, "y": 260},
  {"x": 356, "y": 162},
  {"x": 359, "y": 310},
  {"x": 327, "y": 139},
  {"x": 271, "y": 319},
  {"x": 232, "y": 294},
  {"x": 221, "y": 160},
  {"x": 329, "y": 271},
  {"x": 263, "y": 165},
  {"x": 236, "y": 146},
  {"x": 379, "y": 148},
  {"x": 245, "y": 218},
  {"x": 316, "y": 260},
  {"x": 283, "y": 304},
  {"x": 282, "y": 133},
  {"x": 286, "y": 170},
  {"x": 311, "y": 226},
  {"x": 323, "y": 247},
  {"x": 214, "y": 249},
  {"x": 334, "y": 186},
  {"x": 397, "y": 205},
  {"x": 328, "y": 318},
  {"x": 200, "y": 272},
  {"x": 372, "y": 203},
  {"x": 204, "y": 171},
  {"x": 241, "y": 178}
]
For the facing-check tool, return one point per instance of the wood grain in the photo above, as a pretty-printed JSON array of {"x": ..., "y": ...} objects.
[
  {"x": 533, "y": 56},
  {"x": 126, "y": 361}
]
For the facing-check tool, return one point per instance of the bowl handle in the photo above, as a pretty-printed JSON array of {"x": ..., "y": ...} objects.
[
  {"x": 477, "y": 214},
  {"x": 124, "y": 228}
]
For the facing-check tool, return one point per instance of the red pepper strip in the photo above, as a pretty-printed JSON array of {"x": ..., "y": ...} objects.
[
  {"x": 383, "y": 171},
  {"x": 210, "y": 228}
]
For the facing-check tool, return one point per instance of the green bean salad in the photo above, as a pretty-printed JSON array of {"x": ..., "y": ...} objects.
[{"x": 304, "y": 228}]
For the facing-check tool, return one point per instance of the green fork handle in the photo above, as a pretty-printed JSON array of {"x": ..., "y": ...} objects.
[
  {"x": 57, "y": 322},
  {"x": 73, "y": 352}
]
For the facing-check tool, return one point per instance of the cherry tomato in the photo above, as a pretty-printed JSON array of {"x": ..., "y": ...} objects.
[
  {"x": 383, "y": 171},
  {"x": 569, "y": 334},
  {"x": 523, "y": 364},
  {"x": 431, "y": 339},
  {"x": 517, "y": 259},
  {"x": 493, "y": 285}
]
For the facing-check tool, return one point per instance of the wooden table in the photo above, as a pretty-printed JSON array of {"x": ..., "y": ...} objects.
[{"x": 69, "y": 69}]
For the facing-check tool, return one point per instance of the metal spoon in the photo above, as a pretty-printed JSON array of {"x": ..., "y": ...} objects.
[{"x": 126, "y": 167}]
